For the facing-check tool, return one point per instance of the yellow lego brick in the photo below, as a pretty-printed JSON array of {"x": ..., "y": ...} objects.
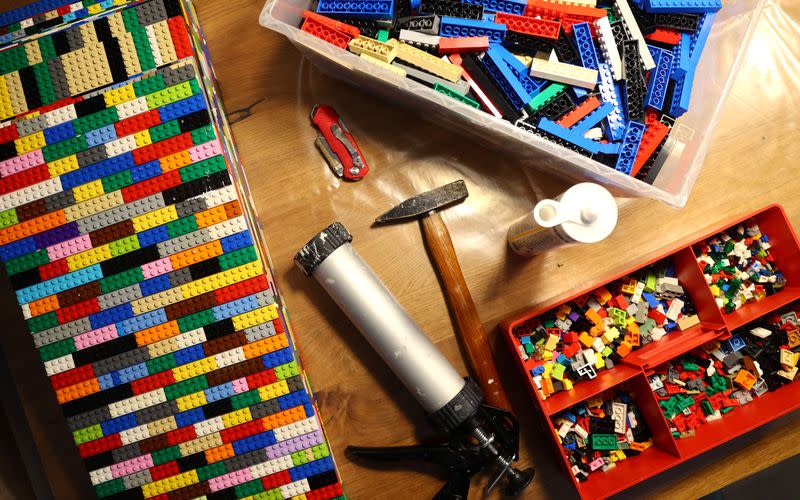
[
  {"x": 194, "y": 369},
  {"x": 172, "y": 162},
  {"x": 162, "y": 347},
  {"x": 50, "y": 15},
  {"x": 30, "y": 143},
  {"x": 119, "y": 95},
  {"x": 302, "y": 496},
  {"x": 379, "y": 50},
  {"x": 33, "y": 53},
  {"x": 173, "y": 482},
  {"x": 142, "y": 138},
  {"x": 237, "y": 417},
  {"x": 15, "y": 93},
  {"x": 162, "y": 426},
  {"x": 88, "y": 257},
  {"x": 5, "y": 102},
  {"x": 225, "y": 278},
  {"x": 88, "y": 191},
  {"x": 384, "y": 65},
  {"x": 601, "y": 363},
  {"x": 426, "y": 62},
  {"x": 155, "y": 218},
  {"x": 94, "y": 9},
  {"x": 157, "y": 300},
  {"x": 255, "y": 317},
  {"x": 273, "y": 391},
  {"x": 63, "y": 165},
  {"x": 165, "y": 45},
  {"x": 191, "y": 401},
  {"x": 200, "y": 444},
  {"x": 94, "y": 206}
]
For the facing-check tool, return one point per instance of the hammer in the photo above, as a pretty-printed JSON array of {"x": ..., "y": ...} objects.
[{"x": 426, "y": 207}]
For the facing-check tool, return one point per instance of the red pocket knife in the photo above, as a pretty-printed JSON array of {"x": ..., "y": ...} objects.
[{"x": 337, "y": 144}]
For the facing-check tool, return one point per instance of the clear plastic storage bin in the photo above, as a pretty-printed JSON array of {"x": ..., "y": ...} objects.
[{"x": 729, "y": 38}]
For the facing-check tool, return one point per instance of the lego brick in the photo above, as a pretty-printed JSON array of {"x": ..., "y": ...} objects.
[
  {"x": 623, "y": 9},
  {"x": 463, "y": 10},
  {"x": 541, "y": 28},
  {"x": 608, "y": 47},
  {"x": 457, "y": 27},
  {"x": 630, "y": 146},
  {"x": 659, "y": 78},
  {"x": 682, "y": 6},
  {"x": 501, "y": 6},
  {"x": 358, "y": 9},
  {"x": 564, "y": 73},
  {"x": 427, "y": 62}
]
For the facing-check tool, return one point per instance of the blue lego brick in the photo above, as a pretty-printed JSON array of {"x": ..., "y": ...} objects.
[
  {"x": 630, "y": 146},
  {"x": 455, "y": 27},
  {"x": 235, "y": 307},
  {"x": 700, "y": 37},
  {"x": 97, "y": 170},
  {"x": 681, "y": 55},
  {"x": 154, "y": 285},
  {"x": 119, "y": 424},
  {"x": 579, "y": 140},
  {"x": 309, "y": 469},
  {"x": 146, "y": 171},
  {"x": 296, "y": 398},
  {"x": 101, "y": 135},
  {"x": 682, "y": 6},
  {"x": 488, "y": 16},
  {"x": 59, "y": 284},
  {"x": 358, "y": 9},
  {"x": 615, "y": 121},
  {"x": 579, "y": 92},
  {"x": 106, "y": 381},
  {"x": 189, "y": 417},
  {"x": 141, "y": 322},
  {"x": 181, "y": 108},
  {"x": 593, "y": 118},
  {"x": 219, "y": 392},
  {"x": 151, "y": 236},
  {"x": 131, "y": 373},
  {"x": 18, "y": 248},
  {"x": 254, "y": 442},
  {"x": 189, "y": 354},
  {"x": 659, "y": 78},
  {"x": 681, "y": 95},
  {"x": 236, "y": 241},
  {"x": 112, "y": 315},
  {"x": 59, "y": 133},
  {"x": 504, "y": 77},
  {"x": 531, "y": 84},
  {"x": 585, "y": 45},
  {"x": 277, "y": 358},
  {"x": 510, "y": 6}
]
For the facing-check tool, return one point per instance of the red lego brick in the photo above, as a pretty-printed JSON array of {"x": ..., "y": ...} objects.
[
  {"x": 326, "y": 492},
  {"x": 241, "y": 431},
  {"x": 72, "y": 377},
  {"x": 542, "y": 28},
  {"x": 241, "y": 289},
  {"x": 164, "y": 471},
  {"x": 79, "y": 310},
  {"x": 664, "y": 35},
  {"x": 151, "y": 186},
  {"x": 23, "y": 179},
  {"x": 275, "y": 480},
  {"x": 181, "y": 435},
  {"x": 180, "y": 37},
  {"x": 554, "y": 11},
  {"x": 153, "y": 382},
  {"x": 579, "y": 112},
  {"x": 261, "y": 379},
  {"x": 449, "y": 45},
  {"x": 278, "y": 324},
  {"x": 163, "y": 148},
  {"x": 9, "y": 133},
  {"x": 323, "y": 32},
  {"x": 333, "y": 24},
  {"x": 137, "y": 123},
  {"x": 63, "y": 11},
  {"x": 568, "y": 22},
  {"x": 53, "y": 269},
  {"x": 98, "y": 446},
  {"x": 654, "y": 134}
]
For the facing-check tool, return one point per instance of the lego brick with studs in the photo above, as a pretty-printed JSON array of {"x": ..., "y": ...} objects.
[
  {"x": 125, "y": 241},
  {"x": 572, "y": 342}
]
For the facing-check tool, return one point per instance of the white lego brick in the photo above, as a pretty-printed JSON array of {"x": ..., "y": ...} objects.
[
  {"x": 608, "y": 47},
  {"x": 636, "y": 33},
  {"x": 132, "y": 108},
  {"x": 674, "y": 310},
  {"x": 100, "y": 475},
  {"x": 417, "y": 37},
  {"x": 564, "y": 428},
  {"x": 272, "y": 467},
  {"x": 295, "y": 429},
  {"x": 59, "y": 365},
  {"x": 619, "y": 413},
  {"x": 30, "y": 193},
  {"x": 227, "y": 228},
  {"x": 153, "y": 39},
  {"x": 136, "y": 403},
  {"x": 580, "y": 431},
  {"x": 135, "y": 434},
  {"x": 229, "y": 358},
  {"x": 760, "y": 332},
  {"x": 219, "y": 196},
  {"x": 594, "y": 134},
  {"x": 209, "y": 426},
  {"x": 294, "y": 489}
]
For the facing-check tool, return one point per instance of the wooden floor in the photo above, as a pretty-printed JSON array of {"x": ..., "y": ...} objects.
[{"x": 268, "y": 91}]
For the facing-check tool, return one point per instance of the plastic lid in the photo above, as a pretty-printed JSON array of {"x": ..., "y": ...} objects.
[
  {"x": 321, "y": 246},
  {"x": 587, "y": 212}
]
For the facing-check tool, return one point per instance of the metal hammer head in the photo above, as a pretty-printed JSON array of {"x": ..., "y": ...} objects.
[{"x": 424, "y": 203}]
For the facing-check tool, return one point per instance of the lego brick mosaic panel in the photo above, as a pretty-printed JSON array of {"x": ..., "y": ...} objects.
[{"x": 132, "y": 257}]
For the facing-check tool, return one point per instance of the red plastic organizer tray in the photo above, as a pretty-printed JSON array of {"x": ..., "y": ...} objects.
[{"x": 631, "y": 372}]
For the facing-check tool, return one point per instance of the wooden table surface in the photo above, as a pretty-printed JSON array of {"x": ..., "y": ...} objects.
[{"x": 268, "y": 90}]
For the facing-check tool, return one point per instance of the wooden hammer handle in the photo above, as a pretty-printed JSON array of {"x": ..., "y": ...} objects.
[{"x": 473, "y": 336}]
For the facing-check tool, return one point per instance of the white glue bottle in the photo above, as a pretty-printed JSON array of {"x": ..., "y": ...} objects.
[{"x": 584, "y": 213}]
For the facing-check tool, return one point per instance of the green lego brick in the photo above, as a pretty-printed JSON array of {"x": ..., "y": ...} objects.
[
  {"x": 43, "y": 322},
  {"x": 548, "y": 94},
  {"x": 203, "y": 168},
  {"x": 45, "y": 82},
  {"x": 195, "y": 86},
  {"x": 273, "y": 494},
  {"x": 161, "y": 363},
  {"x": 212, "y": 470},
  {"x": 148, "y": 85},
  {"x": 165, "y": 131},
  {"x": 181, "y": 226},
  {"x": 46, "y": 48},
  {"x": 117, "y": 181},
  {"x": 186, "y": 387},
  {"x": 249, "y": 488},
  {"x": 61, "y": 149},
  {"x": 203, "y": 134},
  {"x": 288, "y": 370},
  {"x": 13, "y": 59},
  {"x": 95, "y": 120},
  {"x": 196, "y": 320},
  {"x": 130, "y": 20},
  {"x": 87, "y": 434},
  {"x": 167, "y": 455},
  {"x": 320, "y": 451},
  {"x": 237, "y": 258},
  {"x": 382, "y": 36},
  {"x": 245, "y": 399},
  {"x": 110, "y": 488},
  {"x": 125, "y": 245},
  {"x": 27, "y": 261},
  {"x": 603, "y": 441},
  {"x": 143, "y": 50},
  {"x": 455, "y": 95},
  {"x": 57, "y": 349},
  {"x": 8, "y": 217},
  {"x": 121, "y": 280},
  {"x": 169, "y": 95},
  {"x": 299, "y": 458}
]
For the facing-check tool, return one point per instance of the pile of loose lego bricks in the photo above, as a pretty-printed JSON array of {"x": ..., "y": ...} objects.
[
  {"x": 702, "y": 386},
  {"x": 41, "y": 16},
  {"x": 592, "y": 332},
  {"x": 135, "y": 269},
  {"x": 597, "y": 433},
  {"x": 738, "y": 267},
  {"x": 604, "y": 78}
]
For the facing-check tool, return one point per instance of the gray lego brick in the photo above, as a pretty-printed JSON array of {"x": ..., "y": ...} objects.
[
  {"x": 59, "y": 200},
  {"x": 74, "y": 38},
  {"x": 92, "y": 155},
  {"x": 295, "y": 384},
  {"x": 190, "y": 206},
  {"x": 247, "y": 460},
  {"x": 59, "y": 78},
  {"x": 174, "y": 76},
  {"x": 259, "y": 332},
  {"x": 126, "y": 452},
  {"x": 184, "y": 242},
  {"x": 121, "y": 213},
  {"x": 88, "y": 418},
  {"x": 265, "y": 298},
  {"x": 137, "y": 479},
  {"x": 62, "y": 332},
  {"x": 151, "y": 13},
  {"x": 180, "y": 277},
  {"x": 264, "y": 409},
  {"x": 31, "y": 125},
  {"x": 119, "y": 297},
  {"x": 157, "y": 412},
  {"x": 121, "y": 361}
]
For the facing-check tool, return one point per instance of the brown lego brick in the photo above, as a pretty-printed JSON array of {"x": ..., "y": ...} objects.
[
  {"x": 233, "y": 372},
  {"x": 79, "y": 294},
  {"x": 190, "y": 306},
  {"x": 226, "y": 343},
  {"x": 31, "y": 210},
  {"x": 112, "y": 233}
]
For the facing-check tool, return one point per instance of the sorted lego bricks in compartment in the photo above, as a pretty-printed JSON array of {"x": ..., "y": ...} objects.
[
  {"x": 136, "y": 271},
  {"x": 605, "y": 80}
]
